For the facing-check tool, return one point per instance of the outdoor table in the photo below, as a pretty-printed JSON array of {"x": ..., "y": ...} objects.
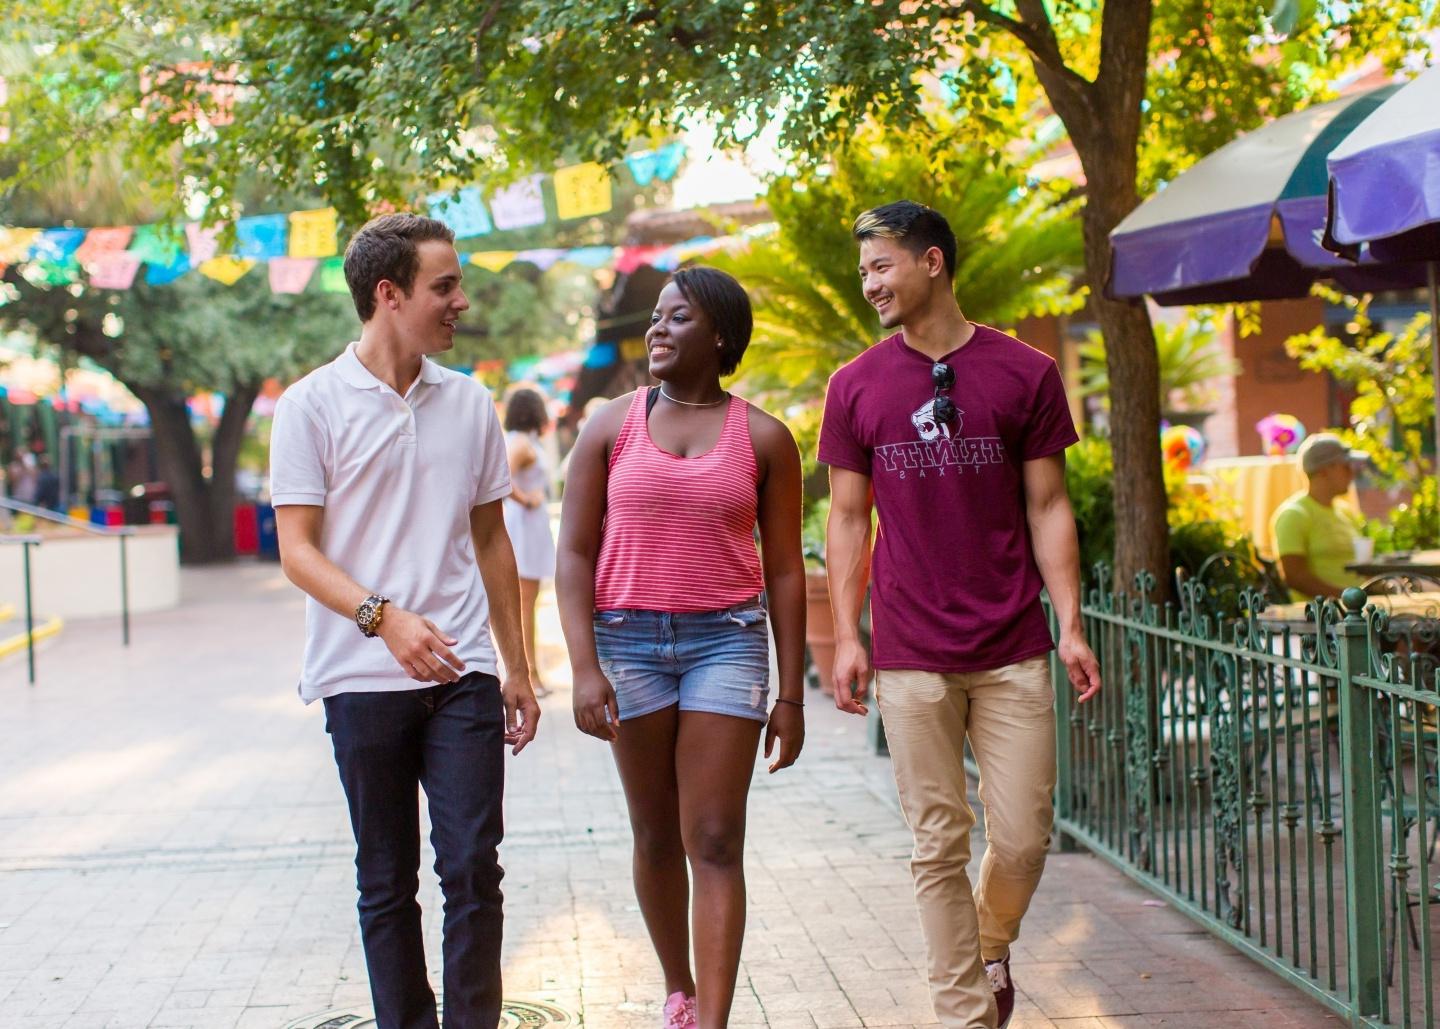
[
  {"x": 1402, "y": 562},
  {"x": 1409, "y": 605}
]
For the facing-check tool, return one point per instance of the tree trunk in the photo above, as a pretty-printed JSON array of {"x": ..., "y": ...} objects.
[
  {"x": 1103, "y": 119},
  {"x": 1142, "y": 537},
  {"x": 204, "y": 507},
  {"x": 224, "y": 455}
]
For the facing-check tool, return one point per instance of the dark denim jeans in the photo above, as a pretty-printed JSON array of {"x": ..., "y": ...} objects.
[{"x": 448, "y": 739}]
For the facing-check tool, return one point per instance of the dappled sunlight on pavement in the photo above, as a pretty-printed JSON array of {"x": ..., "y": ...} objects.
[{"x": 174, "y": 851}]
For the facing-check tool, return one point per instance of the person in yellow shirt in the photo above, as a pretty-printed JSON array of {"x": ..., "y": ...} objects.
[{"x": 1316, "y": 530}]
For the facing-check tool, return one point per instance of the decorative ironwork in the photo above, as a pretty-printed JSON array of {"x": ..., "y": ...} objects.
[
  {"x": 1279, "y": 781},
  {"x": 1220, "y": 690}
]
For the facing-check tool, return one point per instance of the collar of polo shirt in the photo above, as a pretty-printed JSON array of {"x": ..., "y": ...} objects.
[{"x": 354, "y": 372}]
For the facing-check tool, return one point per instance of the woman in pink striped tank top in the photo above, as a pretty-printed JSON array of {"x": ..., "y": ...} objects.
[{"x": 663, "y": 598}]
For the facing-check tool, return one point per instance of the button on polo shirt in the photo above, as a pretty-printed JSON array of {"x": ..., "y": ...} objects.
[{"x": 397, "y": 477}]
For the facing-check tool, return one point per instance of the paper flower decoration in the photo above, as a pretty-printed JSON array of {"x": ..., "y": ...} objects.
[
  {"x": 1183, "y": 446},
  {"x": 1280, "y": 434}
]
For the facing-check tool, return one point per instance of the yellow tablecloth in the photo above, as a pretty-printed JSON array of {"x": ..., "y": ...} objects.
[{"x": 1258, "y": 485}]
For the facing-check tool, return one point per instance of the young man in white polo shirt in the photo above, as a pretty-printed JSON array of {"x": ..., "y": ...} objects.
[{"x": 387, "y": 475}]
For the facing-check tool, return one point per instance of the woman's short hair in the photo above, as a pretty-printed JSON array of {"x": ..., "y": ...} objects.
[
  {"x": 725, "y": 303},
  {"x": 525, "y": 412}
]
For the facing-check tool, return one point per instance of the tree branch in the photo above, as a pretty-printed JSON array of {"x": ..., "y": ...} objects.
[
  {"x": 488, "y": 18},
  {"x": 1120, "y": 83},
  {"x": 678, "y": 33},
  {"x": 1034, "y": 30}
]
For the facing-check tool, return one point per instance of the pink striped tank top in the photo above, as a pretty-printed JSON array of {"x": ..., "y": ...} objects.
[{"x": 679, "y": 531}]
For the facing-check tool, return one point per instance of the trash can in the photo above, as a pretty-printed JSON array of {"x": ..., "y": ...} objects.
[
  {"x": 247, "y": 531},
  {"x": 269, "y": 540}
]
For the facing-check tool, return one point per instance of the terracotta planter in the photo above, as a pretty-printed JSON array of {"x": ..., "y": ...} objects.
[{"x": 820, "y": 628}]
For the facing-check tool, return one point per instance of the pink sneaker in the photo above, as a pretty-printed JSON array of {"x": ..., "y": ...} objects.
[{"x": 679, "y": 1011}]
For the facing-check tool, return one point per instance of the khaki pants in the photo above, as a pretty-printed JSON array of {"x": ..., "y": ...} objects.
[{"x": 1009, "y": 716}]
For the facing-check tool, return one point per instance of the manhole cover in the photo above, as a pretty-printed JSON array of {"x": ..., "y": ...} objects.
[{"x": 516, "y": 1014}]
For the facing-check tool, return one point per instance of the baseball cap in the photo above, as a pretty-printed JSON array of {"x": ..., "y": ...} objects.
[{"x": 1324, "y": 449}]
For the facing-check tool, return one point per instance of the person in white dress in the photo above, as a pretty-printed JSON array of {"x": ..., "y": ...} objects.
[{"x": 527, "y": 511}]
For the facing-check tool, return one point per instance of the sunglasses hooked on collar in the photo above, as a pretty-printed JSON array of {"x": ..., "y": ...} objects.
[{"x": 943, "y": 376}]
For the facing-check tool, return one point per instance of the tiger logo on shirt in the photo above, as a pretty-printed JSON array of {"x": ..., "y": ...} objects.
[{"x": 929, "y": 427}]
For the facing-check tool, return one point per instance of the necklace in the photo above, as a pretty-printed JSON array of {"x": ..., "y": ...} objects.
[{"x": 687, "y": 403}]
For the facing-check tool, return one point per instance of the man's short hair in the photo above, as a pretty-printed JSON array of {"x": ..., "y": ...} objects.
[
  {"x": 388, "y": 247},
  {"x": 914, "y": 226},
  {"x": 725, "y": 303}
]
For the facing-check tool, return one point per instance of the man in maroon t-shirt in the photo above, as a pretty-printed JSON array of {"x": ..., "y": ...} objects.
[{"x": 956, "y": 433}]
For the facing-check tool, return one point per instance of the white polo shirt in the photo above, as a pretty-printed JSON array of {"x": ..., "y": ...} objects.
[{"x": 397, "y": 477}]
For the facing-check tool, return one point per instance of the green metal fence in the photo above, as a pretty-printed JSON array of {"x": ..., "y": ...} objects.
[{"x": 1279, "y": 783}]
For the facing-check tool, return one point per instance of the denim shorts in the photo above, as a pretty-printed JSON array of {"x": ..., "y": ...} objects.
[{"x": 716, "y": 662}]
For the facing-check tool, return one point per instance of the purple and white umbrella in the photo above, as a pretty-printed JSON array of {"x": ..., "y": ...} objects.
[
  {"x": 1385, "y": 190},
  {"x": 1246, "y": 222},
  {"x": 1385, "y": 177}
]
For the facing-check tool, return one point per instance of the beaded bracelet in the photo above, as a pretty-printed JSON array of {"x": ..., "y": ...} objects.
[{"x": 787, "y": 700}]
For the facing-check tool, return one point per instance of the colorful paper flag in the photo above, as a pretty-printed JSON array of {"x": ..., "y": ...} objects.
[
  {"x": 666, "y": 260},
  {"x": 15, "y": 244},
  {"x": 464, "y": 212},
  {"x": 204, "y": 242},
  {"x": 51, "y": 273},
  {"x": 312, "y": 233},
  {"x": 226, "y": 269},
  {"x": 103, "y": 241},
  {"x": 332, "y": 276},
  {"x": 261, "y": 237},
  {"x": 661, "y": 164},
  {"x": 519, "y": 206},
  {"x": 113, "y": 269},
  {"x": 542, "y": 257},
  {"x": 57, "y": 245},
  {"x": 582, "y": 190},
  {"x": 632, "y": 258},
  {"x": 492, "y": 260},
  {"x": 164, "y": 274},
  {"x": 156, "y": 244},
  {"x": 602, "y": 355},
  {"x": 291, "y": 274},
  {"x": 694, "y": 247},
  {"x": 591, "y": 257}
]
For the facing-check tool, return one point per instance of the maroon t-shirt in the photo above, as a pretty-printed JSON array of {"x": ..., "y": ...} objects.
[{"x": 954, "y": 585}]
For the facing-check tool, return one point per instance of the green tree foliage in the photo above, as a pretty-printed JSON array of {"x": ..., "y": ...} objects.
[
  {"x": 1201, "y": 525},
  {"x": 520, "y": 311},
  {"x": 1019, "y": 250},
  {"x": 362, "y": 98},
  {"x": 1188, "y": 357},
  {"x": 1393, "y": 412}
]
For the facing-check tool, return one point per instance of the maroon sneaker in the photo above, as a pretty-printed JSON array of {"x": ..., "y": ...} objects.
[{"x": 998, "y": 972}]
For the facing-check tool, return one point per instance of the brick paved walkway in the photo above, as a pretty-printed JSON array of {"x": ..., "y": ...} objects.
[{"x": 174, "y": 852}]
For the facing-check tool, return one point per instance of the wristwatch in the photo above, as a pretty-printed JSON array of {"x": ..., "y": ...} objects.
[{"x": 369, "y": 613}]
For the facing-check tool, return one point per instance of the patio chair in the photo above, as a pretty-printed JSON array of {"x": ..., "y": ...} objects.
[{"x": 1225, "y": 575}]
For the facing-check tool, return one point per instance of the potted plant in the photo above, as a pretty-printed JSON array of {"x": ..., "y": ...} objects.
[{"x": 819, "y": 619}]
